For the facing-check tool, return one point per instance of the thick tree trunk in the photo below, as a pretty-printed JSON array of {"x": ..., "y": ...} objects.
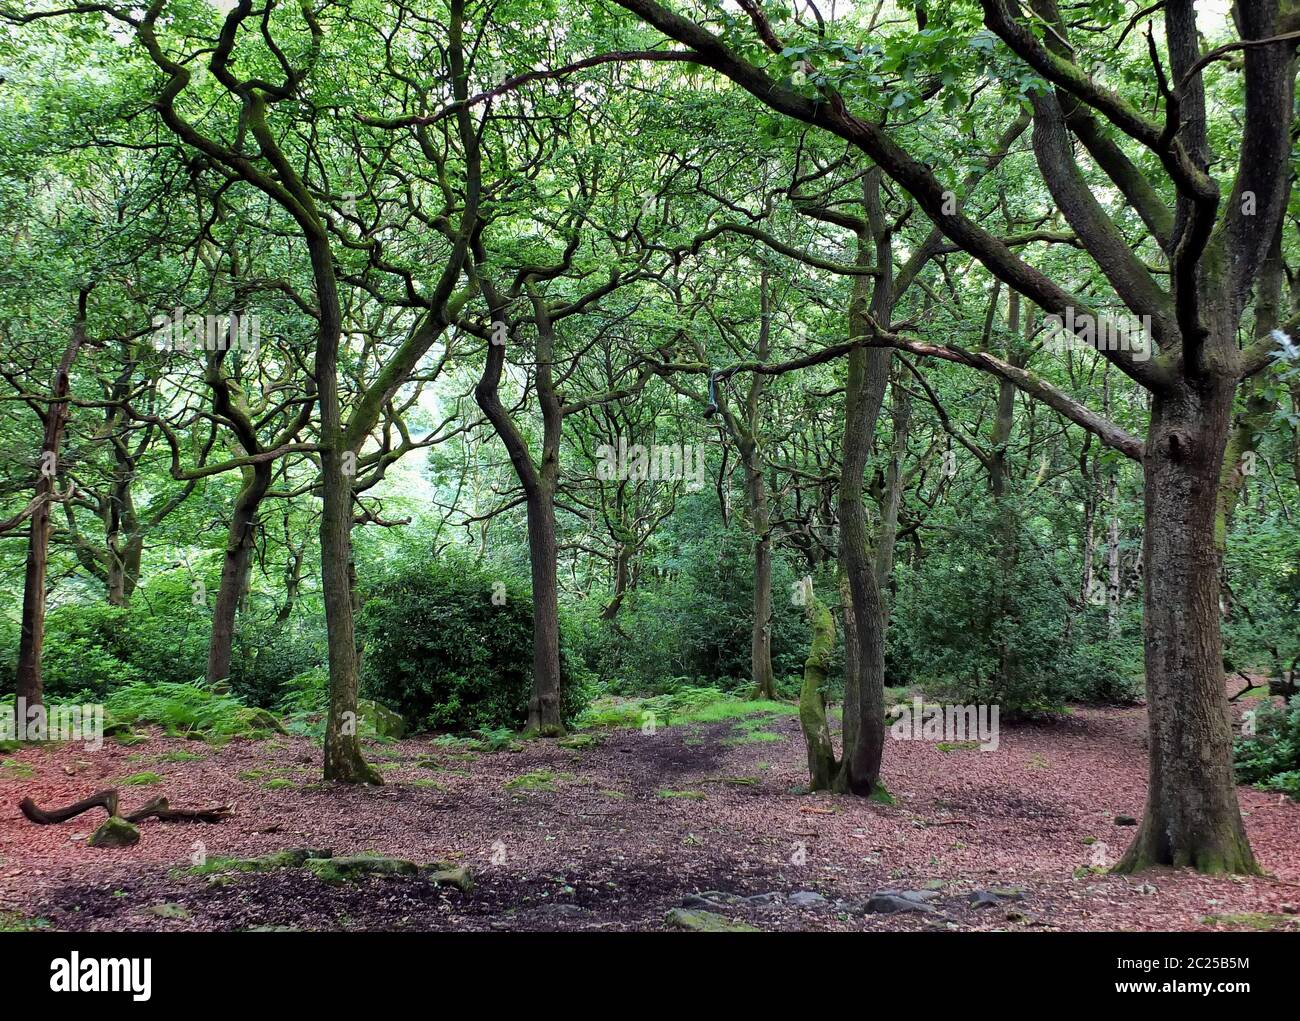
[
  {"x": 235, "y": 570},
  {"x": 864, "y": 624},
  {"x": 116, "y": 584},
  {"x": 545, "y": 708},
  {"x": 1191, "y": 816}
]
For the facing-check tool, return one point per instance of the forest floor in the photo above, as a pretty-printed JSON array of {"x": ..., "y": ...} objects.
[{"x": 618, "y": 834}]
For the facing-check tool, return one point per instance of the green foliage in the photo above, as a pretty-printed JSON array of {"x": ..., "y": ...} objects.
[
  {"x": 689, "y": 619},
  {"x": 88, "y": 647},
  {"x": 189, "y": 710},
  {"x": 139, "y": 780},
  {"x": 1263, "y": 568},
  {"x": 975, "y": 622},
  {"x": 1270, "y": 758},
  {"x": 96, "y": 648},
  {"x": 439, "y": 651}
]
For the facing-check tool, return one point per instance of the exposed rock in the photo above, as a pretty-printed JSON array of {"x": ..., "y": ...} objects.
[
  {"x": 705, "y": 921},
  {"x": 807, "y": 899},
  {"x": 714, "y": 899},
  {"x": 994, "y": 896},
  {"x": 167, "y": 910},
  {"x": 453, "y": 875},
  {"x": 350, "y": 868},
  {"x": 114, "y": 832},
  {"x": 290, "y": 858},
  {"x": 386, "y": 722},
  {"x": 889, "y": 903}
]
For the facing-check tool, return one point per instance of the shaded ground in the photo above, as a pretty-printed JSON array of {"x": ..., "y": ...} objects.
[{"x": 615, "y": 835}]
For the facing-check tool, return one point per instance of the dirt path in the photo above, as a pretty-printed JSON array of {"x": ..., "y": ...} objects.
[{"x": 615, "y": 835}]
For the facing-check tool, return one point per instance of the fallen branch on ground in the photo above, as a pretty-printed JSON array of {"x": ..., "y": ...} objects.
[{"x": 158, "y": 809}]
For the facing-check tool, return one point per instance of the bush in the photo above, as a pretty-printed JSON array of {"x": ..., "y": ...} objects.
[
  {"x": 189, "y": 710},
  {"x": 689, "y": 619},
  {"x": 269, "y": 657},
  {"x": 975, "y": 625},
  {"x": 88, "y": 647},
  {"x": 438, "y": 650},
  {"x": 1271, "y": 757},
  {"x": 166, "y": 633}
]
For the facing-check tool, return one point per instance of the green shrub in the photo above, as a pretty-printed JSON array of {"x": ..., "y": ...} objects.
[
  {"x": 1270, "y": 758},
  {"x": 689, "y": 619},
  {"x": 974, "y": 624},
  {"x": 438, "y": 650},
  {"x": 87, "y": 647},
  {"x": 189, "y": 710}
]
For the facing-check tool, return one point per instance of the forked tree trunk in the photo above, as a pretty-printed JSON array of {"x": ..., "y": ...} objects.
[
  {"x": 865, "y": 617},
  {"x": 1191, "y": 816}
]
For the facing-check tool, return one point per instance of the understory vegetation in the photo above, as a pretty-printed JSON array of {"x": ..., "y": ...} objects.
[{"x": 521, "y": 372}]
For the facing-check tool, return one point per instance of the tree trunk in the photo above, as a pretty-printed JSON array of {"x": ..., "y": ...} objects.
[
  {"x": 760, "y": 654},
  {"x": 545, "y": 708},
  {"x": 343, "y": 759},
  {"x": 1191, "y": 815},
  {"x": 622, "y": 572},
  {"x": 812, "y": 707},
  {"x": 235, "y": 566},
  {"x": 864, "y": 632},
  {"x": 901, "y": 413},
  {"x": 31, "y": 643},
  {"x": 863, "y": 727},
  {"x": 1112, "y": 560}
]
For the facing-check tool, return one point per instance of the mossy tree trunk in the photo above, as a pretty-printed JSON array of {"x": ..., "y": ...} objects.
[{"x": 812, "y": 706}]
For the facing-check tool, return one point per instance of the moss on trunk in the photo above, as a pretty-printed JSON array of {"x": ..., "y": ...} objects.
[{"x": 812, "y": 707}]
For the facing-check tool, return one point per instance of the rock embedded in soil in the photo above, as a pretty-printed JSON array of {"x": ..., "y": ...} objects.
[
  {"x": 714, "y": 899},
  {"x": 450, "y": 875},
  {"x": 350, "y": 868},
  {"x": 169, "y": 910},
  {"x": 705, "y": 921},
  {"x": 114, "y": 832},
  {"x": 807, "y": 899},
  {"x": 888, "y": 902}
]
